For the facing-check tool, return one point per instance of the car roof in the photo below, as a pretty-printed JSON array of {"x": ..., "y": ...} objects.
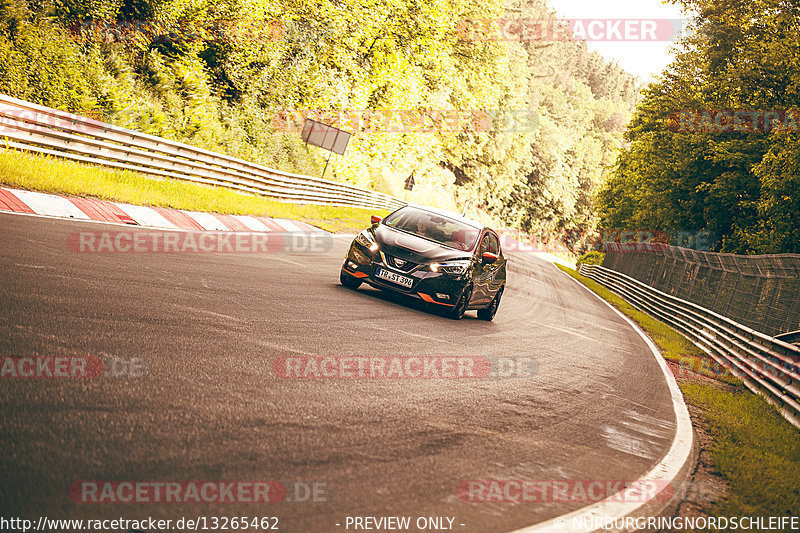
[{"x": 449, "y": 214}]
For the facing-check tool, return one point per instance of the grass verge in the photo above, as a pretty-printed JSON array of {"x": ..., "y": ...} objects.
[
  {"x": 59, "y": 176},
  {"x": 751, "y": 446},
  {"x": 755, "y": 449}
]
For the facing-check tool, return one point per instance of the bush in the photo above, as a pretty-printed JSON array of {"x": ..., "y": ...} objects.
[{"x": 591, "y": 258}]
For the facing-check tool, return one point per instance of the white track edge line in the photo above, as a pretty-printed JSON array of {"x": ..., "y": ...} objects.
[{"x": 666, "y": 470}]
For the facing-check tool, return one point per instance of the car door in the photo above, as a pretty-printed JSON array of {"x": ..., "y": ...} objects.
[
  {"x": 495, "y": 272},
  {"x": 482, "y": 275}
]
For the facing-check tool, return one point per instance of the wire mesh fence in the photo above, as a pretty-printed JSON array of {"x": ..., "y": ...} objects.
[{"x": 761, "y": 292}]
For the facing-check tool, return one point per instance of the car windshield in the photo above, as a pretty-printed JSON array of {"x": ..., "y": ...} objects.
[{"x": 434, "y": 227}]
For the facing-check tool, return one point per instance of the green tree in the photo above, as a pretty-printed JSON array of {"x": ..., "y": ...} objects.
[{"x": 743, "y": 56}]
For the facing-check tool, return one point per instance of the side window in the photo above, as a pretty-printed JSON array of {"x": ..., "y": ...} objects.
[
  {"x": 485, "y": 243},
  {"x": 494, "y": 244}
]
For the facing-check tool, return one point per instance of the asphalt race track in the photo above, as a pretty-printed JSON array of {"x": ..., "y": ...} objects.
[{"x": 207, "y": 328}]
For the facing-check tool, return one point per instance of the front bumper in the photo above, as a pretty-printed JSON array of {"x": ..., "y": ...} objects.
[{"x": 432, "y": 287}]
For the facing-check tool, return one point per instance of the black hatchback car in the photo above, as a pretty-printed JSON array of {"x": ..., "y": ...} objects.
[{"x": 446, "y": 260}]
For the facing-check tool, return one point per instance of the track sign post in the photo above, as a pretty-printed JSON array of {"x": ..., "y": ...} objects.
[
  {"x": 410, "y": 182},
  {"x": 325, "y": 137}
]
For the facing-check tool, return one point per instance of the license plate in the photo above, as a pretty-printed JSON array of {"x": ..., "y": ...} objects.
[{"x": 405, "y": 281}]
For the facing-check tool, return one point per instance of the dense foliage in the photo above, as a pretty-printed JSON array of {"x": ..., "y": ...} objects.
[
  {"x": 593, "y": 257},
  {"x": 225, "y": 75},
  {"x": 739, "y": 180}
]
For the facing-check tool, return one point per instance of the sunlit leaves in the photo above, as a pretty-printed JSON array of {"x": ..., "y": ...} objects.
[{"x": 744, "y": 55}]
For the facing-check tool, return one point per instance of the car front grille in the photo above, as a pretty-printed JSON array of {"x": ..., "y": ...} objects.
[{"x": 400, "y": 264}]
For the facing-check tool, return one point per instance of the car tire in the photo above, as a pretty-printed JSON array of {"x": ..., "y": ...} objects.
[
  {"x": 489, "y": 312},
  {"x": 457, "y": 312},
  {"x": 349, "y": 281}
]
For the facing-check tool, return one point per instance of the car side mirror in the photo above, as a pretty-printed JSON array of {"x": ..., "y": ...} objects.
[
  {"x": 488, "y": 258},
  {"x": 375, "y": 219}
]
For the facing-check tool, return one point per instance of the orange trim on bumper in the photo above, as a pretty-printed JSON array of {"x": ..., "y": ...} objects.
[
  {"x": 356, "y": 274},
  {"x": 428, "y": 299}
]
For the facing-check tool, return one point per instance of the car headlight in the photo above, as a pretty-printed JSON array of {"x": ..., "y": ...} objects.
[
  {"x": 365, "y": 240},
  {"x": 451, "y": 267}
]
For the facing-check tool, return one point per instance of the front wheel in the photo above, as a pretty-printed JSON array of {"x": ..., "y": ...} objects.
[
  {"x": 349, "y": 281},
  {"x": 457, "y": 313},
  {"x": 489, "y": 312}
]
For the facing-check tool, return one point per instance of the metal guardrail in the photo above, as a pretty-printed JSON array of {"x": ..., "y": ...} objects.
[
  {"x": 792, "y": 337},
  {"x": 34, "y": 128},
  {"x": 767, "y": 366},
  {"x": 759, "y": 291}
]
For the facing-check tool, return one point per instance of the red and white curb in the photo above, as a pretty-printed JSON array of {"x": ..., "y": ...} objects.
[{"x": 90, "y": 209}]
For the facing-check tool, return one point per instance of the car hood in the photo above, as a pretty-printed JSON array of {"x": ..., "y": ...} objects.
[{"x": 412, "y": 248}]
